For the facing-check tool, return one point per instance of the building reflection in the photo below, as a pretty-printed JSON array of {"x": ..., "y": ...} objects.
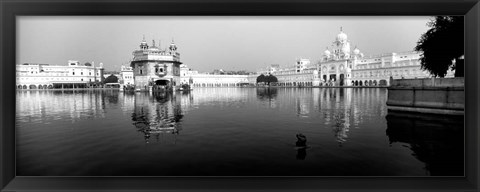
[
  {"x": 434, "y": 139},
  {"x": 158, "y": 114},
  {"x": 43, "y": 106},
  {"x": 340, "y": 128}
]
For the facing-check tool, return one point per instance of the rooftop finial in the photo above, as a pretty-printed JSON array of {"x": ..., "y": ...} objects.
[
  {"x": 341, "y": 29},
  {"x": 144, "y": 37},
  {"x": 173, "y": 40}
]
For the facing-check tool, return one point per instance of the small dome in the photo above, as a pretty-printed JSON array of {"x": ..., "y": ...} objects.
[
  {"x": 356, "y": 51},
  {"x": 327, "y": 52},
  {"x": 342, "y": 37}
]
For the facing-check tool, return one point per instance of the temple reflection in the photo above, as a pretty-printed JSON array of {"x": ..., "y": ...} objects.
[
  {"x": 158, "y": 114},
  {"x": 435, "y": 140}
]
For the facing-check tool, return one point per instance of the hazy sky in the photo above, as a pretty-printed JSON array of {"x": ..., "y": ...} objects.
[{"x": 208, "y": 43}]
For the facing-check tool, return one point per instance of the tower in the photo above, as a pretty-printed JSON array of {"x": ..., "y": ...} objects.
[{"x": 143, "y": 44}]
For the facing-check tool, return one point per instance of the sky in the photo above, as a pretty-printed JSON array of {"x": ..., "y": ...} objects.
[{"x": 209, "y": 42}]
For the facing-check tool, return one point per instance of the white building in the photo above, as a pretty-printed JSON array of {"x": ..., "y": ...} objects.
[
  {"x": 302, "y": 73},
  {"x": 45, "y": 76},
  {"x": 196, "y": 79},
  {"x": 126, "y": 76},
  {"x": 340, "y": 66}
]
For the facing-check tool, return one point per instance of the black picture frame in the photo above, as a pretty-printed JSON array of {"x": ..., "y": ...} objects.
[{"x": 9, "y": 9}]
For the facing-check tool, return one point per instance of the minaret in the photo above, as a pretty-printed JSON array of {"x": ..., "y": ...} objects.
[
  {"x": 173, "y": 47},
  {"x": 143, "y": 44}
]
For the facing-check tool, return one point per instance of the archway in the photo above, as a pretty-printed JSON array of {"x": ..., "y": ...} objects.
[
  {"x": 375, "y": 82},
  {"x": 341, "y": 79},
  {"x": 370, "y": 83},
  {"x": 33, "y": 87},
  {"x": 366, "y": 83},
  {"x": 24, "y": 86},
  {"x": 161, "y": 82},
  {"x": 383, "y": 82},
  {"x": 50, "y": 86},
  {"x": 333, "y": 77},
  {"x": 19, "y": 86},
  {"x": 356, "y": 83},
  {"x": 360, "y": 83}
]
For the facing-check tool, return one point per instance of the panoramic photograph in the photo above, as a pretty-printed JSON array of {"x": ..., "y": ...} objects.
[{"x": 261, "y": 96}]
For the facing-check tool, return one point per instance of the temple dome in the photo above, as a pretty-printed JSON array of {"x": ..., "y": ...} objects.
[
  {"x": 356, "y": 51},
  {"x": 327, "y": 52},
  {"x": 342, "y": 37}
]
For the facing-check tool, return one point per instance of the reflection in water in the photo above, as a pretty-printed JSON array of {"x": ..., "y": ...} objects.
[
  {"x": 341, "y": 127},
  {"x": 434, "y": 139},
  {"x": 268, "y": 94},
  {"x": 45, "y": 106},
  {"x": 160, "y": 117},
  {"x": 106, "y": 130}
]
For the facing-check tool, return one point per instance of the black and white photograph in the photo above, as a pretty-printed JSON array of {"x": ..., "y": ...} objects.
[{"x": 256, "y": 96}]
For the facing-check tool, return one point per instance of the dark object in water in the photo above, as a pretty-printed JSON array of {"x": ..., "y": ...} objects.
[
  {"x": 301, "y": 146},
  {"x": 301, "y": 140}
]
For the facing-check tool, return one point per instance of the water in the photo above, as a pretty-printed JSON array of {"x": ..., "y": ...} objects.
[{"x": 231, "y": 132}]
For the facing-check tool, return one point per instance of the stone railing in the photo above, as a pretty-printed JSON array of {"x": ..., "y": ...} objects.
[{"x": 435, "y": 95}]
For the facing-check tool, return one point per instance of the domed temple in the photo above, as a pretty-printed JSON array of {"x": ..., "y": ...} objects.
[{"x": 154, "y": 67}]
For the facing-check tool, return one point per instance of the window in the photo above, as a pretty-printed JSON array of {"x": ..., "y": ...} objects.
[
  {"x": 73, "y": 73},
  {"x": 81, "y": 73},
  {"x": 141, "y": 71}
]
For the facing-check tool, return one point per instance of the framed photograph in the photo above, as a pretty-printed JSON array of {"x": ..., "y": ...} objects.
[{"x": 192, "y": 96}]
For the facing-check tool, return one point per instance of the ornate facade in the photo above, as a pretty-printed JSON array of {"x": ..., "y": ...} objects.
[
  {"x": 340, "y": 66},
  {"x": 155, "y": 66}
]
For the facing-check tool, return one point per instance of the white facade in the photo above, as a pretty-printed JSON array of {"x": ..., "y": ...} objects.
[
  {"x": 126, "y": 76},
  {"x": 196, "y": 79},
  {"x": 45, "y": 76},
  {"x": 302, "y": 73},
  {"x": 343, "y": 67}
]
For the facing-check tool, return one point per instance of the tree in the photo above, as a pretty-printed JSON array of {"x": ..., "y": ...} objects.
[
  {"x": 111, "y": 79},
  {"x": 271, "y": 79},
  {"x": 261, "y": 78},
  {"x": 442, "y": 44}
]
